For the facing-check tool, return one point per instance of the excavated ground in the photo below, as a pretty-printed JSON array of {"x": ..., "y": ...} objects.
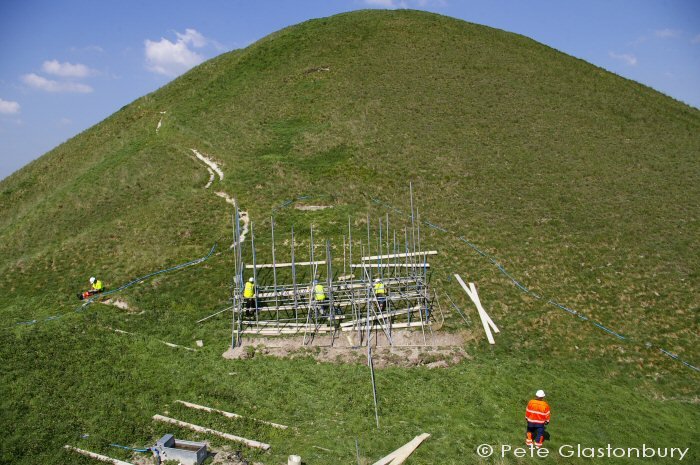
[{"x": 409, "y": 348}]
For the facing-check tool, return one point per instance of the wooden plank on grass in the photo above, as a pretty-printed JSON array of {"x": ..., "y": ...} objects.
[
  {"x": 284, "y": 265},
  {"x": 484, "y": 318},
  {"x": 201, "y": 429},
  {"x": 400, "y": 455},
  {"x": 103, "y": 458},
  {"x": 227, "y": 414},
  {"x": 398, "y": 255},
  {"x": 477, "y": 301}
]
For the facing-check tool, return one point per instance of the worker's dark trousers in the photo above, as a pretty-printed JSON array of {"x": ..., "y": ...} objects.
[
  {"x": 250, "y": 306},
  {"x": 537, "y": 432}
]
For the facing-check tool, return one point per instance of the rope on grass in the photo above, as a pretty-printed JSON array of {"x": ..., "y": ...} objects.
[
  {"x": 150, "y": 275},
  {"x": 130, "y": 448},
  {"x": 129, "y": 284},
  {"x": 528, "y": 291},
  {"x": 675, "y": 357}
]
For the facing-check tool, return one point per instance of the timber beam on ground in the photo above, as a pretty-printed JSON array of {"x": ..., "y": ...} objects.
[
  {"x": 338, "y": 303},
  {"x": 381, "y": 315},
  {"x": 280, "y": 324},
  {"x": 401, "y": 255},
  {"x": 391, "y": 265},
  {"x": 284, "y": 265},
  {"x": 201, "y": 429},
  {"x": 304, "y": 290},
  {"x": 100, "y": 457}
]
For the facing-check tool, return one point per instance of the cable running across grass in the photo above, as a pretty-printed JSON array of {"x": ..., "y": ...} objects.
[
  {"x": 525, "y": 289},
  {"x": 143, "y": 278},
  {"x": 129, "y": 284}
]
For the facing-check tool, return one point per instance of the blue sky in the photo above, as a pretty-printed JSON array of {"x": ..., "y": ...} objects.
[{"x": 66, "y": 65}]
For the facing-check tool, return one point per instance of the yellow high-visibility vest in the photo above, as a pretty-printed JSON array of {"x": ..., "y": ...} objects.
[
  {"x": 98, "y": 285},
  {"x": 249, "y": 290},
  {"x": 319, "y": 292},
  {"x": 379, "y": 289}
]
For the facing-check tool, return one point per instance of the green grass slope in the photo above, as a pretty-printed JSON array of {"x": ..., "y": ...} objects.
[{"x": 581, "y": 184}]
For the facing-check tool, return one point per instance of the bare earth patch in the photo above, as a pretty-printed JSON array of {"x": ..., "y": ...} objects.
[
  {"x": 409, "y": 349},
  {"x": 117, "y": 303},
  {"x": 311, "y": 207}
]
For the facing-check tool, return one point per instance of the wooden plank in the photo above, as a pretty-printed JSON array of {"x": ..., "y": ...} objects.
[
  {"x": 401, "y": 255},
  {"x": 267, "y": 324},
  {"x": 487, "y": 328},
  {"x": 477, "y": 301},
  {"x": 201, "y": 429},
  {"x": 103, "y": 458},
  {"x": 474, "y": 295},
  {"x": 227, "y": 414},
  {"x": 400, "y": 455},
  {"x": 413, "y": 324},
  {"x": 170, "y": 344},
  {"x": 391, "y": 265},
  {"x": 285, "y": 265},
  {"x": 281, "y": 331},
  {"x": 304, "y": 289},
  {"x": 384, "y": 315}
]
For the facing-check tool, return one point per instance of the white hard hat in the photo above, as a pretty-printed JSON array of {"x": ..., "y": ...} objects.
[
  {"x": 251, "y": 280},
  {"x": 377, "y": 280},
  {"x": 539, "y": 393},
  {"x": 92, "y": 280}
]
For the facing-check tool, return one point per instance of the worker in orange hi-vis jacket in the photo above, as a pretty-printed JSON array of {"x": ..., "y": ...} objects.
[{"x": 537, "y": 415}]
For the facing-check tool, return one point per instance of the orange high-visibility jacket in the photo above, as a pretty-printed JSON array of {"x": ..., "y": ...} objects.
[{"x": 537, "y": 412}]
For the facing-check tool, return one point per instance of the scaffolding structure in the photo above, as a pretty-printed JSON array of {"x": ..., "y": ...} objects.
[{"x": 286, "y": 303}]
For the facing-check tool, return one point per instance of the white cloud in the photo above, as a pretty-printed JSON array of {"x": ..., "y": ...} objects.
[
  {"x": 8, "y": 107},
  {"x": 667, "y": 33},
  {"x": 174, "y": 58},
  {"x": 48, "y": 85},
  {"x": 628, "y": 58},
  {"x": 66, "y": 69},
  {"x": 191, "y": 36}
]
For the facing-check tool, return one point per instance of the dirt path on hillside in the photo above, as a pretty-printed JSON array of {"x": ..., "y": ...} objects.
[
  {"x": 214, "y": 170},
  {"x": 160, "y": 122}
]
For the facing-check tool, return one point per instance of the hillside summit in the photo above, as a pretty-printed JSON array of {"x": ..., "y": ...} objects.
[{"x": 581, "y": 184}]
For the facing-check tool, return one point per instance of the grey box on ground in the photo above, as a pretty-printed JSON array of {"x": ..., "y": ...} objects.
[{"x": 186, "y": 452}]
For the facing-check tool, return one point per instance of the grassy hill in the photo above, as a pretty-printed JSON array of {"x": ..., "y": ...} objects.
[{"x": 581, "y": 184}]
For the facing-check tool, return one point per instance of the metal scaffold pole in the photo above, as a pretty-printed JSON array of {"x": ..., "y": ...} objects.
[
  {"x": 255, "y": 271},
  {"x": 236, "y": 293},
  {"x": 413, "y": 222},
  {"x": 374, "y": 385},
  {"x": 329, "y": 280},
  {"x": 294, "y": 281},
  {"x": 284, "y": 307},
  {"x": 238, "y": 278},
  {"x": 274, "y": 265}
]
